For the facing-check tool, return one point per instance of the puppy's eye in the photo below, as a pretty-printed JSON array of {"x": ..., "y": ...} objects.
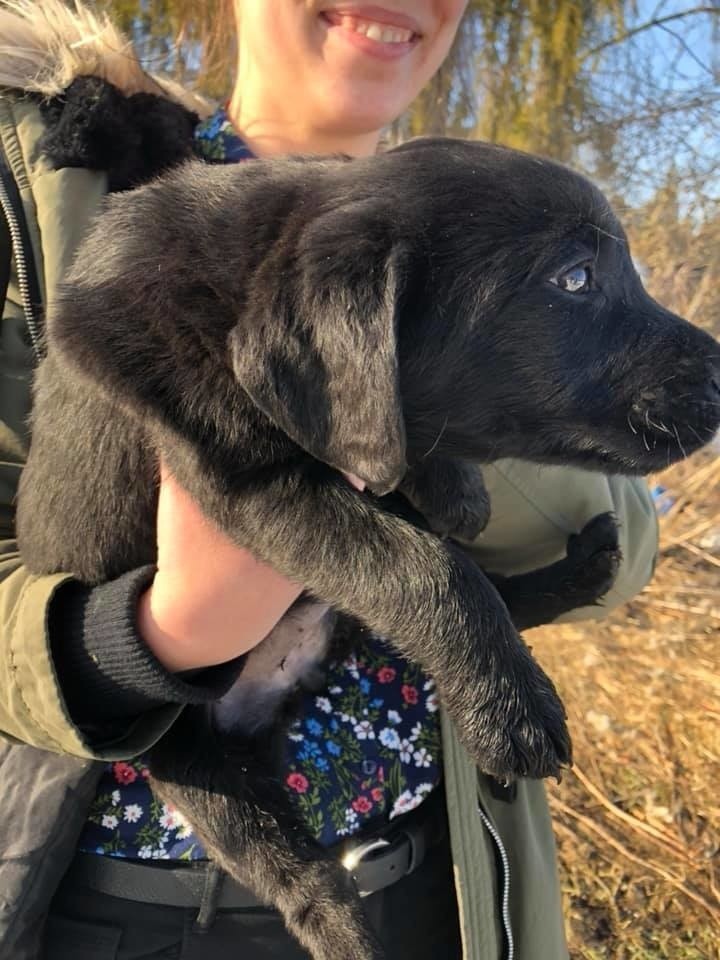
[{"x": 575, "y": 280}]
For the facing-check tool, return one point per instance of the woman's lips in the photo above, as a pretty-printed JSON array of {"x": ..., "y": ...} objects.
[{"x": 379, "y": 32}]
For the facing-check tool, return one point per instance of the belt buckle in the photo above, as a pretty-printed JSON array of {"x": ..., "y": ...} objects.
[{"x": 353, "y": 858}]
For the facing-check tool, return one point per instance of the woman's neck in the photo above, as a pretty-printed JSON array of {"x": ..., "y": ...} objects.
[{"x": 270, "y": 136}]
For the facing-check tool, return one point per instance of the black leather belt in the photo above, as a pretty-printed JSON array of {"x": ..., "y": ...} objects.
[{"x": 373, "y": 863}]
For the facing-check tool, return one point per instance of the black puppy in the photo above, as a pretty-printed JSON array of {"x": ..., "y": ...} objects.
[{"x": 266, "y": 326}]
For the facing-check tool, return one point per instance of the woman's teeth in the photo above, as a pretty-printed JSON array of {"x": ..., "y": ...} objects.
[{"x": 377, "y": 31}]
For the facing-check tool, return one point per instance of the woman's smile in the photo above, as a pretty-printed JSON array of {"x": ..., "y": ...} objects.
[{"x": 379, "y": 32}]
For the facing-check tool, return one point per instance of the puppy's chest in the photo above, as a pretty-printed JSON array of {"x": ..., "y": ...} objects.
[{"x": 290, "y": 657}]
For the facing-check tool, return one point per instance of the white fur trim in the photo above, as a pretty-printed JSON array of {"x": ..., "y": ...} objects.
[{"x": 45, "y": 45}]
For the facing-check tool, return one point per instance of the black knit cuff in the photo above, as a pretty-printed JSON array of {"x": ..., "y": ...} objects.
[{"x": 107, "y": 674}]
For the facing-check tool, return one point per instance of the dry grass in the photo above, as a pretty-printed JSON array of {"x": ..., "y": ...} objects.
[{"x": 638, "y": 819}]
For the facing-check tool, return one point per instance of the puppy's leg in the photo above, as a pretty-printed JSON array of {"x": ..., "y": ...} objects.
[
  {"x": 580, "y": 579},
  {"x": 425, "y": 595},
  {"x": 224, "y": 785},
  {"x": 450, "y": 494}
]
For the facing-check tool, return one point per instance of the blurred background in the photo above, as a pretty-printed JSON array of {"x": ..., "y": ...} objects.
[{"x": 628, "y": 93}]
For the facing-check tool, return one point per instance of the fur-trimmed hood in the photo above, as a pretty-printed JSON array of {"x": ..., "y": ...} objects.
[
  {"x": 46, "y": 44},
  {"x": 101, "y": 109}
]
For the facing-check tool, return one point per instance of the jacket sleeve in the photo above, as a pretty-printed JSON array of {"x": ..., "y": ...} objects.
[
  {"x": 534, "y": 509},
  {"x": 32, "y": 707}
]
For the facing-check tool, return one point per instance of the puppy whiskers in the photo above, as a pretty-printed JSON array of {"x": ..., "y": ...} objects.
[
  {"x": 677, "y": 437},
  {"x": 606, "y": 234},
  {"x": 704, "y": 403},
  {"x": 693, "y": 430},
  {"x": 658, "y": 426},
  {"x": 437, "y": 440}
]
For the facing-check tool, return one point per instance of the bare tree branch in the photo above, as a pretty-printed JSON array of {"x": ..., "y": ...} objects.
[
  {"x": 686, "y": 49},
  {"x": 648, "y": 25}
]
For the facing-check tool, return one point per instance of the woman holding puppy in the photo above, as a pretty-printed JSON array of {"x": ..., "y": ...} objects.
[{"x": 462, "y": 866}]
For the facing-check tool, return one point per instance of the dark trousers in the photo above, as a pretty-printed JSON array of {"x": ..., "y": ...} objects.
[{"x": 416, "y": 919}]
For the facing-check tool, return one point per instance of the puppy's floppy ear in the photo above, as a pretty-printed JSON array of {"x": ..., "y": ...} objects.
[{"x": 318, "y": 356}]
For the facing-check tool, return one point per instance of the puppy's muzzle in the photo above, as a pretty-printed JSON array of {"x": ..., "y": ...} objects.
[{"x": 685, "y": 404}]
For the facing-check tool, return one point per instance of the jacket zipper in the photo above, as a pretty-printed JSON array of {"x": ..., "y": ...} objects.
[
  {"x": 24, "y": 259},
  {"x": 504, "y": 859}
]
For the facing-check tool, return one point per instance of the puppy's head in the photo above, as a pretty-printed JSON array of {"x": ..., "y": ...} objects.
[
  {"x": 530, "y": 333},
  {"x": 471, "y": 300}
]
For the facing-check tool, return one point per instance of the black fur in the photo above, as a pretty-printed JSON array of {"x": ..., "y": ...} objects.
[
  {"x": 450, "y": 495},
  {"x": 94, "y": 125},
  {"x": 267, "y": 325}
]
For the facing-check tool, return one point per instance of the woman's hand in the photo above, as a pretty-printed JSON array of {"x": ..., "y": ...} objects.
[{"x": 210, "y": 600}]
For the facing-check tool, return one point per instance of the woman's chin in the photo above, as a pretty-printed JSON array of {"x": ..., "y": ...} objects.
[{"x": 358, "y": 109}]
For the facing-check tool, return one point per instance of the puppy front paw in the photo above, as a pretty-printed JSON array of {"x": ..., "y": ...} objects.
[
  {"x": 519, "y": 728},
  {"x": 464, "y": 518},
  {"x": 593, "y": 558},
  {"x": 467, "y": 516},
  {"x": 451, "y": 495}
]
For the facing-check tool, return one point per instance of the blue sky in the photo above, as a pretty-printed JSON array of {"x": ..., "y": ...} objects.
[{"x": 681, "y": 57}]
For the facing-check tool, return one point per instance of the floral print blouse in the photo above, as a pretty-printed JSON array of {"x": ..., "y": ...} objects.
[{"x": 367, "y": 750}]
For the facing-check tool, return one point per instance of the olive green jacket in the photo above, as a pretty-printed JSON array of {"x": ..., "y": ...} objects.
[{"x": 534, "y": 509}]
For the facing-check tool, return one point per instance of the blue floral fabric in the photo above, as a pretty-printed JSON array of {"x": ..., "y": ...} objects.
[
  {"x": 217, "y": 142},
  {"x": 368, "y": 749}
]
